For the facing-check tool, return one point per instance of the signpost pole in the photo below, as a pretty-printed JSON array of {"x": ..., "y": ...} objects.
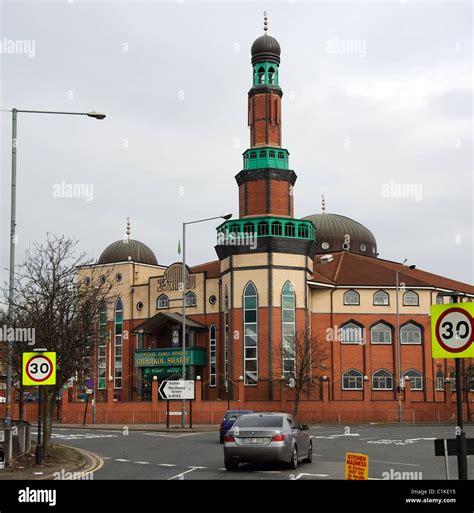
[
  {"x": 85, "y": 411},
  {"x": 190, "y": 414},
  {"x": 461, "y": 438},
  {"x": 167, "y": 414},
  {"x": 446, "y": 460},
  {"x": 38, "y": 443}
]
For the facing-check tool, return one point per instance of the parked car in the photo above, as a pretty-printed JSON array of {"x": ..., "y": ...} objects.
[
  {"x": 228, "y": 421},
  {"x": 267, "y": 437}
]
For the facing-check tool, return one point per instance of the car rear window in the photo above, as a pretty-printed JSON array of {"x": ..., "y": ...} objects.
[
  {"x": 269, "y": 421},
  {"x": 232, "y": 416}
]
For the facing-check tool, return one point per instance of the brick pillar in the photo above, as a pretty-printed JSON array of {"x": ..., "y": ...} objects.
[
  {"x": 154, "y": 396},
  {"x": 198, "y": 389},
  {"x": 241, "y": 394},
  {"x": 110, "y": 391}
]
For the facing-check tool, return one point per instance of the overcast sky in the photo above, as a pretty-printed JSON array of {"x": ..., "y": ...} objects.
[{"x": 376, "y": 95}]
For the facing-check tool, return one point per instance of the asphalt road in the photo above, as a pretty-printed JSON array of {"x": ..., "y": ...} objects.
[{"x": 392, "y": 450}]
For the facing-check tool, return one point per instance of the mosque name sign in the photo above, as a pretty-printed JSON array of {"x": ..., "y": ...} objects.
[{"x": 170, "y": 357}]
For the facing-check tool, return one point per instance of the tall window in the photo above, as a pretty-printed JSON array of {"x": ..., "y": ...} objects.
[
  {"x": 382, "y": 380},
  {"x": 452, "y": 380},
  {"x": 162, "y": 301},
  {"x": 416, "y": 379},
  {"x": 118, "y": 321},
  {"x": 250, "y": 335},
  {"x": 190, "y": 299},
  {"x": 288, "y": 305},
  {"x": 101, "y": 349},
  {"x": 212, "y": 356},
  {"x": 271, "y": 75},
  {"x": 439, "y": 380},
  {"x": 351, "y": 333},
  {"x": 380, "y": 333},
  {"x": 351, "y": 297},
  {"x": 410, "y": 298},
  {"x": 380, "y": 298},
  {"x": 261, "y": 75},
  {"x": 410, "y": 334},
  {"x": 226, "y": 336},
  {"x": 352, "y": 380}
]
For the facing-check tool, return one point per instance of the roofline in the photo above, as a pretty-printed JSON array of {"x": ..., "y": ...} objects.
[
  {"x": 407, "y": 287},
  {"x": 122, "y": 262}
]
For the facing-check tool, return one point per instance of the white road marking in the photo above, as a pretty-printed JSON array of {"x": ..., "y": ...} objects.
[
  {"x": 407, "y": 441},
  {"x": 269, "y": 471},
  {"x": 395, "y": 463},
  {"x": 369, "y": 437},
  {"x": 182, "y": 473},
  {"x": 174, "y": 435},
  {"x": 120, "y": 459},
  {"x": 142, "y": 462},
  {"x": 331, "y": 437},
  {"x": 306, "y": 474},
  {"x": 166, "y": 465}
]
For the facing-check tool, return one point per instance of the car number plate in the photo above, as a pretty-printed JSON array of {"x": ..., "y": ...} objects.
[{"x": 254, "y": 440}]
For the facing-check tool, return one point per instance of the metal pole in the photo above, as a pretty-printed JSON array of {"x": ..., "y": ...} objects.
[
  {"x": 8, "y": 391},
  {"x": 399, "y": 352},
  {"x": 461, "y": 438},
  {"x": 38, "y": 443},
  {"x": 183, "y": 334},
  {"x": 85, "y": 411}
]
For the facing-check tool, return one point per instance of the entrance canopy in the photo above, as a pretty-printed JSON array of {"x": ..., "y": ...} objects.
[{"x": 156, "y": 322}]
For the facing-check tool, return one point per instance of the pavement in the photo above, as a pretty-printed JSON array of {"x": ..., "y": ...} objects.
[{"x": 151, "y": 452}]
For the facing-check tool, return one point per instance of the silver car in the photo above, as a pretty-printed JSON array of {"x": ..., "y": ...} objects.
[{"x": 267, "y": 437}]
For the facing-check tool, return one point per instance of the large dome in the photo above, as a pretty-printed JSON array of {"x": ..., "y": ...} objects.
[
  {"x": 266, "y": 48},
  {"x": 332, "y": 231},
  {"x": 127, "y": 250}
]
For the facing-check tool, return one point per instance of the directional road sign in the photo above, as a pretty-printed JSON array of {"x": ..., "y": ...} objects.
[{"x": 179, "y": 389}]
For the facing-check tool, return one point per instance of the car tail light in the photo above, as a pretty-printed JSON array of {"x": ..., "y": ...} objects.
[
  {"x": 229, "y": 438},
  {"x": 278, "y": 438}
]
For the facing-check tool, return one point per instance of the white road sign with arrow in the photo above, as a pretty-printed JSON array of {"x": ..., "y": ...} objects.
[{"x": 178, "y": 389}]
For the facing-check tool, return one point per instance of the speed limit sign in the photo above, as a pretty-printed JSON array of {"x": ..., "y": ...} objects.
[
  {"x": 39, "y": 369},
  {"x": 452, "y": 330}
]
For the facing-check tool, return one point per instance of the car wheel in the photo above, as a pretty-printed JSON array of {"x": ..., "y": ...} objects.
[
  {"x": 230, "y": 464},
  {"x": 294, "y": 458},
  {"x": 309, "y": 459}
]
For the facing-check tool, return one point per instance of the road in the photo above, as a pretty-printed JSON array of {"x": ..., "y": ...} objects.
[{"x": 392, "y": 450}]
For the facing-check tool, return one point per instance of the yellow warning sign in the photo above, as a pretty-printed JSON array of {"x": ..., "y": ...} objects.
[
  {"x": 357, "y": 466},
  {"x": 39, "y": 369},
  {"x": 452, "y": 330}
]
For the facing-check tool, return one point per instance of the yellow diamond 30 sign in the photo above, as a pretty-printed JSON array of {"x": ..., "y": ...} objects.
[
  {"x": 39, "y": 369},
  {"x": 452, "y": 330}
]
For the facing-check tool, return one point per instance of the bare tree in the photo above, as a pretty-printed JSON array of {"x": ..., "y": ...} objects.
[
  {"x": 63, "y": 313},
  {"x": 301, "y": 357}
]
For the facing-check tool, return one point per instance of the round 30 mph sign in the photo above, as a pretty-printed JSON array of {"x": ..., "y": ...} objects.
[
  {"x": 452, "y": 329},
  {"x": 39, "y": 369}
]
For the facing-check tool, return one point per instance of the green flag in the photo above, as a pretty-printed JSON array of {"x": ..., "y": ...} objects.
[{"x": 179, "y": 246}]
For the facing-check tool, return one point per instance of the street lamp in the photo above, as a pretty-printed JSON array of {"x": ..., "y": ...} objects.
[
  {"x": 183, "y": 334},
  {"x": 397, "y": 274},
  {"x": 92, "y": 114}
]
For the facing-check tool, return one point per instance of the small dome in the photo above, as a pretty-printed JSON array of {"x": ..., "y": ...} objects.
[
  {"x": 266, "y": 48},
  {"x": 332, "y": 231},
  {"x": 121, "y": 250}
]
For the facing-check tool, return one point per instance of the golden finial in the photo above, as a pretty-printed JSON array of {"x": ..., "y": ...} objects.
[
  {"x": 265, "y": 21},
  {"x": 323, "y": 204}
]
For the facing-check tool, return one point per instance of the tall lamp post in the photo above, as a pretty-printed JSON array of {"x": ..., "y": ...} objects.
[
  {"x": 183, "y": 333},
  {"x": 399, "y": 358},
  {"x": 96, "y": 115}
]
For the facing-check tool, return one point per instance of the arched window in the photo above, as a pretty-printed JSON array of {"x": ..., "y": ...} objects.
[
  {"x": 289, "y": 230},
  {"x": 352, "y": 380},
  {"x": 118, "y": 323},
  {"x": 250, "y": 335},
  {"x": 190, "y": 299},
  {"x": 288, "y": 309},
  {"x": 276, "y": 228},
  {"x": 381, "y": 298},
  {"x": 163, "y": 301},
  {"x": 262, "y": 228},
  {"x": 410, "y": 333},
  {"x": 382, "y": 380},
  {"x": 416, "y": 379},
  {"x": 351, "y": 297},
  {"x": 410, "y": 298},
  {"x": 439, "y": 380},
  {"x": 381, "y": 333},
  {"x": 261, "y": 75},
  {"x": 249, "y": 228},
  {"x": 101, "y": 347},
  {"x": 271, "y": 75},
  {"x": 452, "y": 380},
  {"x": 226, "y": 335},
  {"x": 351, "y": 333},
  {"x": 212, "y": 356}
]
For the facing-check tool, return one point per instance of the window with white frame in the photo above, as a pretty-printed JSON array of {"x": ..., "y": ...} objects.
[
  {"x": 162, "y": 301},
  {"x": 381, "y": 333},
  {"x": 250, "y": 335},
  {"x": 351, "y": 333},
  {"x": 351, "y": 297},
  {"x": 382, "y": 380},
  {"x": 439, "y": 380},
  {"x": 352, "y": 380},
  {"x": 190, "y": 299},
  {"x": 118, "y": 325},
  {"x": 381, "y": 298},
  {"x": 288, "y": 306},
  {"x": 226, "y": 336},
  {"x": 416, "y": 379},
  {"x": 410, "y": 298},
  {"x": 410, "y": 334},
  {"x": 101, "y": 348},
  {"x": 212, "y": 356}
]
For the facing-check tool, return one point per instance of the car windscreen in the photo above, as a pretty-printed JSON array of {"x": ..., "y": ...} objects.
[{"x": 265, "y": 421}]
